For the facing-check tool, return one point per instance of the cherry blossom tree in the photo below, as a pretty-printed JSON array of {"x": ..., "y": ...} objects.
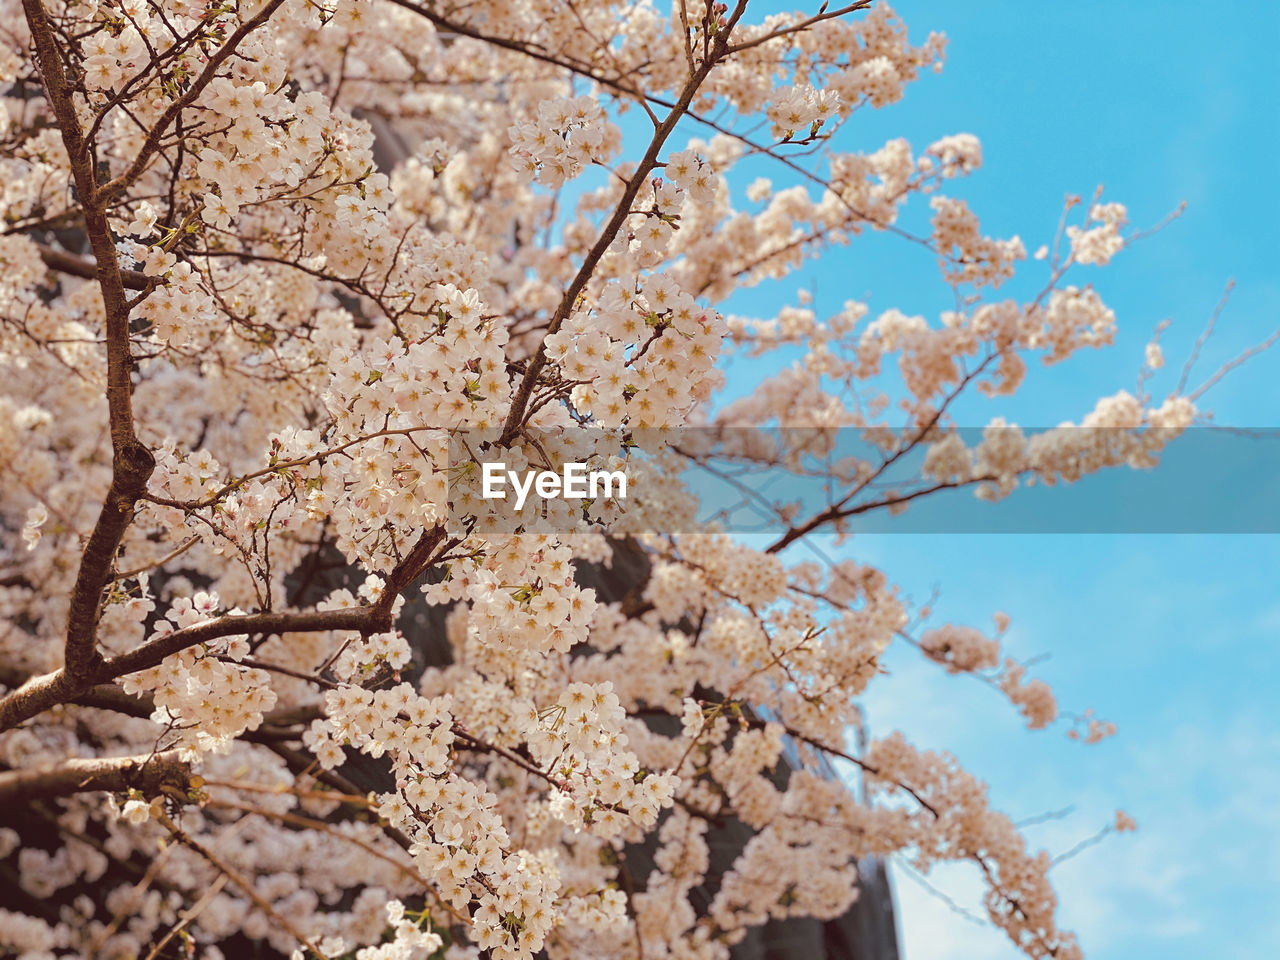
[{"x": 246, "y": 357}]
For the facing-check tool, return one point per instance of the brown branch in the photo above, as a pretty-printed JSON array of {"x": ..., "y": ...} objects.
[
  {"x": 801, "y": 26},
  {"x": 151, "y": 144},
  {"x": 189, "y": 915},
  {"x": 277, "y": 468},
  {"x": 468, "y": 742},
  {"x": 63, "y": 686},
  {"x": 132, "y": 463},
  {"x": 123, "y": 911},
  {"x": 515, "y": 416},
  {"x": 411, "y": 567},
  {"x": 152, "y": 565},
  {"x": 838, "y": 509},
  {"x": 40, "y": 693},
  {"x": 310, "y": 823},
  {"x": 69, "y": 263},
  {"x": 528, "y": 49},
  {"x": 151, "y": 653},
  {"x": 249, "y": 890},
  {"x": 1230, "y": 365},
  {"x": 149, "y": 774}
]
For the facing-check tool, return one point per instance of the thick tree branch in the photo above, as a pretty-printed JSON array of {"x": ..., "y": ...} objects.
[
  {"x": 132, "y": 463},
  {"x": 369, "y": 619},
  {"x": 64, "y": 686},
  {"x": 69, "y": 263},
  {"x": 411, "y": 567},
  {"x": 149, "y": 774}
]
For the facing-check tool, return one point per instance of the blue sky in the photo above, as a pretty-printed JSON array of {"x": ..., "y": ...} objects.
[{"x": 1175, "y": 638}]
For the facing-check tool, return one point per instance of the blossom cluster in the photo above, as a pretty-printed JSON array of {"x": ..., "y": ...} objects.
[
  {"x": 568, "y": 134},
  {"x": 202, "y": 692}
]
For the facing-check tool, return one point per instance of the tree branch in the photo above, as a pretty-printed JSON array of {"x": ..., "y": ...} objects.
[
  {"x": 149, "y": 146},
  {"x": 515, "y": 416},
  {"x": 69, "y": 263},
  {"x": 132, "y": 463},
  {"x": 40, "y": 693},
  {"x": 244, "y": 884},
  {"x": 149, "y": 774},
  {"x": 63, "y": 686}
]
